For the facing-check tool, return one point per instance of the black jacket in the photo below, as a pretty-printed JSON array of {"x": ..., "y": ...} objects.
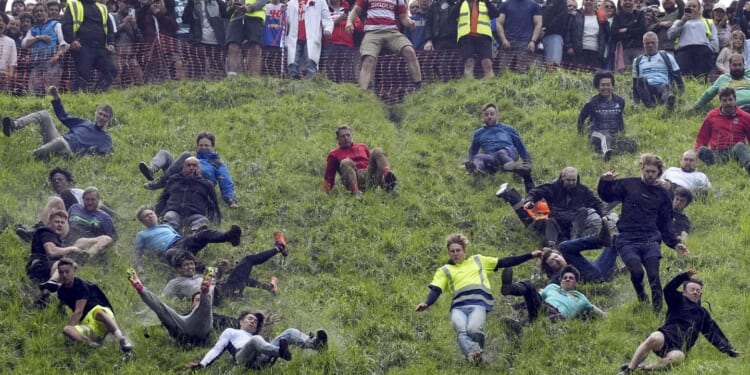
[
  {"x": 574, "y": 34},
  {"x": 635, "y": 23},
  {"x": 189, "y": 196},
  {"x": 688, "y": 319},
  {"x": 645, "y": 208},
  {"x": 563, "y": 203},
  {"x": 441, "y": 23},
  {"x": 555, "y": 17}
]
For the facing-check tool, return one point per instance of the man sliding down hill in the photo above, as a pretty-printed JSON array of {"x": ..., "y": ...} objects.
[
  {"x": 359, "y": 168},
  {"x": 84, "y": 136}
]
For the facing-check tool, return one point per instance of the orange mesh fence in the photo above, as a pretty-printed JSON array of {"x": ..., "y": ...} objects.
[{"x": 172, "y": 59}]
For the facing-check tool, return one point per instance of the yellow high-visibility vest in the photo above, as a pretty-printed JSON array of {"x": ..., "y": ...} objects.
[
  {"x": 76, "y": 12},
  {"x": 464, "y": 20}
]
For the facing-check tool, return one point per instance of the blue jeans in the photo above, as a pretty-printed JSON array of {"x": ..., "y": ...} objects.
[
  {"x": 468, "y": 322},
  {"x": 259, "y": 353},
  {"x": 494, "y": 162},
  {"x": 301, "y": 59},
  {"x": 553, "y": 48},
  {"x": 595, "y": 271}
]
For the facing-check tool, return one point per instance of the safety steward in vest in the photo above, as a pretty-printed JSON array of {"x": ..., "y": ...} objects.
[
  {"x": 472, "y": 297},
  {"x": 475, "y": 34},
  {"x": 247, "y": 21},
  {"x": 88, "y": 29}
]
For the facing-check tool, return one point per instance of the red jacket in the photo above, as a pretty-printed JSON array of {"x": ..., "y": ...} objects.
[
  {"x": 720, "y": 132},
  {"x": 339, "y": 35},
  {"x": 359, "y": 153}
]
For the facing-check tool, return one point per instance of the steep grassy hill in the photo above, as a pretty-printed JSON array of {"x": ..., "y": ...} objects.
[{"x": 358, "y": 267}]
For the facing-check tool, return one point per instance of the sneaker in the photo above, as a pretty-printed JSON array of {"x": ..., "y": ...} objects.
[
  {"x": 9, "y": 125},
  {"x": 706, "y": 155},
  {"x": 608, "y": 155},
  {"x": 390, "y": 181},
  {"x": 147, "y": 171},
  {"x": 605, "y": 237},
  {"x": 23, "y": 233},
  {"x": 284, "y": 350},
  {"x": 281, "y": 243},
  {"x": 625, "y": 369},
  {"x": 470, "y": 167},
  {"x": 507, "y": 280},
  {"x": 125, "y": 345},
  {"x": 234, "y": 235},
  {"x": 49, "y": 285},
  {"x": 135, "y": 281},
  {"x": 501, "y": 192},
  {"x": 274, "y": 285},
  {"x": 320, "y": 341}
]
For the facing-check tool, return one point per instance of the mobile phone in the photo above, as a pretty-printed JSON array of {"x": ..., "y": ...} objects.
[
  {"x": 688, "y": 10},
  {"x": 132, "y": 12}
]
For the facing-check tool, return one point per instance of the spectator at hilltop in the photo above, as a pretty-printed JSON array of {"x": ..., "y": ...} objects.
[
  {"x": 519, "y": 29},
  {"x": 92, "y": 41},
  {"x": 475, "y": 35},
  {"x": 53, "y": 10},
  {"x": 8, "y": 56},
  {"x": 587, "y": 35},
  {"x": 736, "y": 46},
  {"x": 47, "y": 44},
  {"x": 157, "y": 26},
  {"x": 128, "y": 34},
  {"x": 308, "y": 22},
  {"x": 696, "y": 39},
  {"x": 245, "y": 31},
  {"x": 275, "y": 25},
  {"x": 207, "y": 21},
  {"x": 417, "y": 35},
  {"x": 628, "y": 27}
]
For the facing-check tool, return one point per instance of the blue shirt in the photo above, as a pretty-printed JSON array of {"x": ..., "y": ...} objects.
[
  {"x": 495, "y": 138},
  {"x": 214, "y": 170},
  {"x": 654, "y": 69},
  {"x": 83, "y": 133},
  {"x": 569, "y": 303},
  {"x": 416, "y": 36},
  {"x": 519, "y": 19},
  {"x": 89, "y": 224},
  {"x": 155, "y": 239}
]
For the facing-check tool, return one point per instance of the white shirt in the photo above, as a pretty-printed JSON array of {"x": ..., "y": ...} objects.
[{"x": 693, "y": 181}]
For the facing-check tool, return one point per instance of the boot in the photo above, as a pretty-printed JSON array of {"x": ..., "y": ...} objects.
[
  {"x": 233, "y": 235},
  {"x": 147, "y": 170},
  {"x": 9, "y": 126}
]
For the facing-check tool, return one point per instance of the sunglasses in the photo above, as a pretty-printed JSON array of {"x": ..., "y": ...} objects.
[{"x": 609, "y": 6}]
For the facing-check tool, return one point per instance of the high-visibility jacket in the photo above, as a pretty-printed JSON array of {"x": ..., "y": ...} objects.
[
  {"x": 76, "y": 13},
  {"x": 260, "y": 13},
  {"x": 709, "y": 34},
  {"x": 464, "y": 20}
]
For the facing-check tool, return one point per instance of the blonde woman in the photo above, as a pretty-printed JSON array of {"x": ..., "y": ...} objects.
[
  {"x": 736, "y": 46},
  {"x": 696, "y": 41}
]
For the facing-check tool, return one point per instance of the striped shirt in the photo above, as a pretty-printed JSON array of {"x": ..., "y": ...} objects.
[{"x": 382, "y": 14}]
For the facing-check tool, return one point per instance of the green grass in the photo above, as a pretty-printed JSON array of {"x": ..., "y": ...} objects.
[{"x": 359, "y": 267}]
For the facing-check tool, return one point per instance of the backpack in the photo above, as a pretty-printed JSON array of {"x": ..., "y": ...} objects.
[{"x": 667, "y": 61}]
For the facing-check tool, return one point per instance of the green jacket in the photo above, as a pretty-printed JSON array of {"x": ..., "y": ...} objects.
[{"x": 741, "y": 86}]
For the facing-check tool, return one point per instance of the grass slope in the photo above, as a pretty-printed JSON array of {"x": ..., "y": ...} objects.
[{"x": 358, "y": 267}]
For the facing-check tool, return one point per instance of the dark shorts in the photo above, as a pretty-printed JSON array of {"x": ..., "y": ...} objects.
[
  {"x": 479, "y": 45},
  {"x": 245, "y": 29},
  {"x": 39, "y": 269},
  {"x": 672, "y": 341}
]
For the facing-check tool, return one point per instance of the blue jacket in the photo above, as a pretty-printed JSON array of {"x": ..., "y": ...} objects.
[
  {"x": 495, "y": 138},
  {"x": 215, "y": 171},
  {"x": 83, "y": 134}
]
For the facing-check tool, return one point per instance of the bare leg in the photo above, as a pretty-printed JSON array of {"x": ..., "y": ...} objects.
[
  {"x": 93, "y": 245},
  {"x": 234, "y": 59},
  {"x": 675, "y": 356},
  {"x": 487, "y": 68},
  {"x": 412, "y": 64},
  {"x": 348, "y": 172},
  {"x": 254, "y": 59},
  {"x": 469, "y": 68},
  {"x": 368, "y": 68},
  {"x": 654, "y": 342}
]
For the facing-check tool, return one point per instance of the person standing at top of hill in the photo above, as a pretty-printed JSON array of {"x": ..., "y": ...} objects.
[
  {"x": 91, "y": 35},
  {"x": 188, "y": 199},
  {"x": 696, "y": 41},
  {"x": 628, "y": 27},
  {"x": 686, "y": 318},
  {"x": 212, "y": 168},
  {"x": 84, "y": 136},
  {"x": 467, "y": 280},
  {"x": 645, "y": 222},
  {"x": 725, "y": 133},
  {"x": 246, "y": 24},
  {"x": 475, "y": 34},
  {"x": 604, "y": 112},
  {"x": 359, "y": 168},
  {"x": 381, "y": 30},
  {"x": 519, "y": 29},
  {"x": 502, "y": 149},
  {"x": 308, "y": 23}
]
